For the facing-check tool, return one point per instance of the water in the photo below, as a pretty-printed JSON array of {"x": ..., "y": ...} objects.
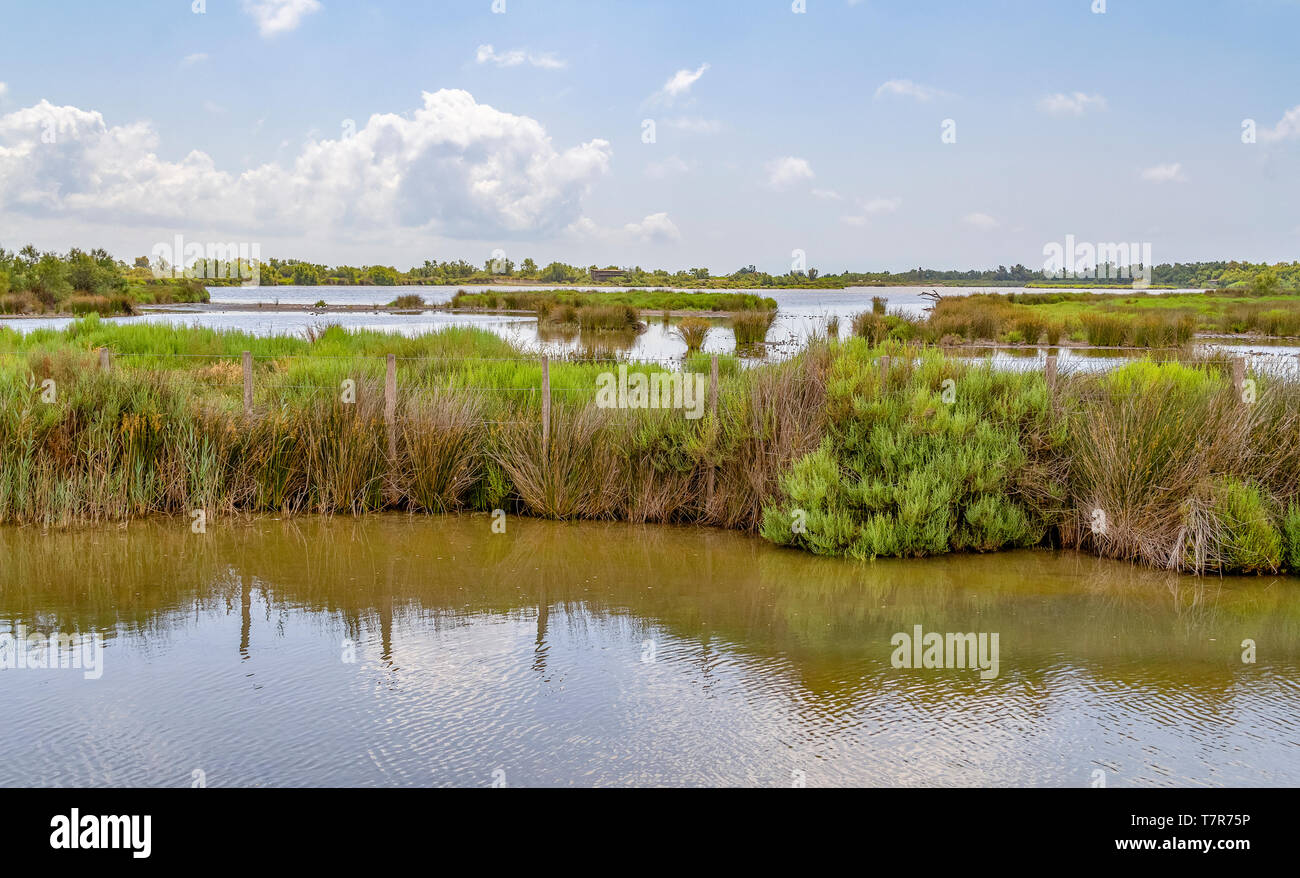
[
  {"x": 801, "y": 314},
  {"x": 605, "y": 654}
]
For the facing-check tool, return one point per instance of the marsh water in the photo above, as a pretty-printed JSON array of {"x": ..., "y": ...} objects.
[
  {"x": 801, "y": 314},
  {"x": 579, "y": 654}
]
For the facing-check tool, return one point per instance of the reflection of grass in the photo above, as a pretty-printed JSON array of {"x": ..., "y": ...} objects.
[{"x": 819, "y": 616}]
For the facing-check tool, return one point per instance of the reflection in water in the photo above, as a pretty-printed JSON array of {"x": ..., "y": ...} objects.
[{"x": 581, "y": 654}]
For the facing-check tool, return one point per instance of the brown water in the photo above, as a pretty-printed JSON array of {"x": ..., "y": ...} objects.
[{"x": 589, "y": 654}]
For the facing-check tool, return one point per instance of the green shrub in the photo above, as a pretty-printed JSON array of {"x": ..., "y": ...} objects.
[
  {"x": 1291, "y": 538},
  {"x": 1250, "y": 543}
]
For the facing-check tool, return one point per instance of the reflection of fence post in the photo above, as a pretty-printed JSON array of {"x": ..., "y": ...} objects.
[
  {"x": 1239, "y": 377},
  {"x": 248, "y": 383},
  {"x": 713, "y": 410},
  {"x": 546, "y": 411},
  {"x": 390, "y": 406},
  {"x": 104, "y": 362},
  {"x": 1051, "y": 376}
]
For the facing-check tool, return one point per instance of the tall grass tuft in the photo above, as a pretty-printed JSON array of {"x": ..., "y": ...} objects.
[
  {"x": 751, "y": 327},
  {"x": 693, "y": 331}
]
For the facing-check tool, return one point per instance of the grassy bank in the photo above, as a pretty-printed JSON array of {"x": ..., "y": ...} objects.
[
  {"x": 829, "y": 452},
  {"x": 1136, "y": 320}
]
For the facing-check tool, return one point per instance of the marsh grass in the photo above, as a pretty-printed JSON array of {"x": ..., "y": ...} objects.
[
  {"x": 881, "y": 462},
  {"x": 693, "y": 331},
  {"x": 751, "y": 327}
]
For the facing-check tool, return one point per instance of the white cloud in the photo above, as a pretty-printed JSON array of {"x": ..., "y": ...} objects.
[
  {"x": 908, "y": 89},
  {"x": 196, "y": 58},
  {"x": 678, "y": 84},
  {"x": 1287, "y": 127},
  {"x": 1076, "y": 104},
  {"x": 3, "y": 88},
  {"x": 516, "y": 57},
  {"x": 785, "y": 172},
  {"x": 1171, "y": 173},
  {"x": 870, "y": 207},
  {"x": 981, "y": 221},
  {"x": 279, "y": 16},
  {"x": 668, "y": 167},
  {"x": 827, "y": 195},
  {"x": 693, "y": 125},
  {"x": 882, "y": 205},
  {"x": 657, "y": 228},
  {"x": 453, "y": 167}
]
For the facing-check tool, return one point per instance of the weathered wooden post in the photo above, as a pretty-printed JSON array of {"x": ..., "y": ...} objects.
[
  {"x": 105, "y": 364},
  {"x": 1239, "y": 377},
  {"x": 1051, "y": 376},
  {"x": 884, "y": 373},
  {"x": 390, "y": 406},
  {"x": 546, "y": 411},
  {"x": 248, "y": 384},
  {"x": 713, "y": 410}
]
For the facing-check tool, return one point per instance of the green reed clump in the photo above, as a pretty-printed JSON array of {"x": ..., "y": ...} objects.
[
  {"x": 1171, "y": 467},
  {"x": 1105, "y": 330},
  {"x": 1030, "y": 327},
  {"x": 693, "y": 331},
  {"x": 408, "y": 301},
  {"x": 19, "y": 303},
  {"x": 878, "y": 304},
  {"x": 613, "y": 318},
  {"x": 870, "y": 326},
  {"x": 105, "y": 306},
  {"x": 751, "y": 327}
]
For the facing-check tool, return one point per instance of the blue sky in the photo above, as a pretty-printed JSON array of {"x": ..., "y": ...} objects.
[{"x": 774, "y": 130}]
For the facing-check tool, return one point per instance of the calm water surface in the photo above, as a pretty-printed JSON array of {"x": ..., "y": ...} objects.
[
  {"x": 591, "y": 654},
  {"x": 800, "y": 315}
]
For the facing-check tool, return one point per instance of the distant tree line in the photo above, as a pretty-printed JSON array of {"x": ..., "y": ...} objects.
[{"x": 46, "y": 279}]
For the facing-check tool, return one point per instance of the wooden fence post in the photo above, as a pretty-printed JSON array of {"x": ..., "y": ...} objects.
[
  {"x": 1239, "y": 377},
  {"x": 884, "y": 373},
  {"x": 546, "y": 411},
  {"x": 1051, "y": 376},
  {"x": 713, "y": 410},
  {"x": 248, "y": 383},
  {"x": 105, "y": 364},
  {"x": 390, "y": 406}
]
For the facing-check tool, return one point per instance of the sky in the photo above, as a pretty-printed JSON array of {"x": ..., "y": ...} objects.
[{"x": 866, "y": 135}]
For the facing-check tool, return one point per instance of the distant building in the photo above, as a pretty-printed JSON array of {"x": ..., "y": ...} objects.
[{"x": 600, "y": 275}]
